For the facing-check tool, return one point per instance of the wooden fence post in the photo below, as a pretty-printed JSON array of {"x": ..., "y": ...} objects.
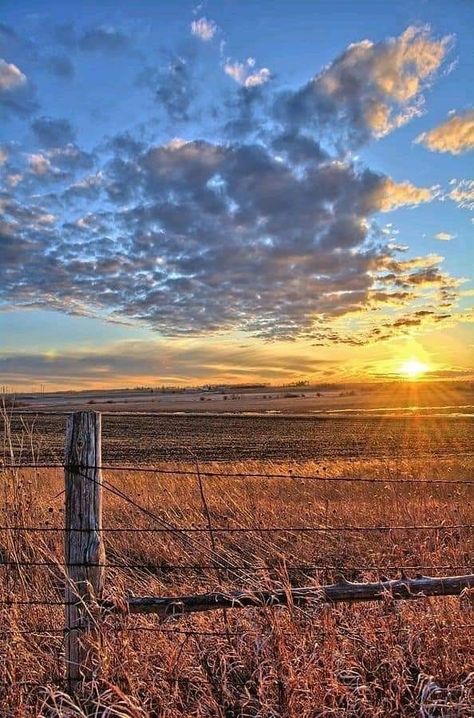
[{"x": 84, "y": 548}]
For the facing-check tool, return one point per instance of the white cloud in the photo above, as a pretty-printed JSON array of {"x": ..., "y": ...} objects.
[
  {"x": 371, "y": 88},
  {"x": 455, "y": 136},
  {"x": 10, "y": 76},
  {"x": 462, "y": 193},
  {"x": 204, "y": 29},
  {"x": 246, "y": 74},
  {"x": 390, "y": 195},
  {"x": 14, "y": 179},
  {"x": 39, "y": 164},
  {"x": 444, "y": 236}
]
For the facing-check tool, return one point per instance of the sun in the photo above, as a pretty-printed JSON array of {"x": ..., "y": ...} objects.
[{"x": 413, "y": 369}]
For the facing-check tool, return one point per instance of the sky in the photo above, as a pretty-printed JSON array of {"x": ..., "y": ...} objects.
[{"x": 234, "y": 191}]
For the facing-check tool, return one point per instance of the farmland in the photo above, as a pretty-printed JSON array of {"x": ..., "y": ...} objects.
[
  {"x": 136, "y": 439},
  {"x": 368, "y": 660}
]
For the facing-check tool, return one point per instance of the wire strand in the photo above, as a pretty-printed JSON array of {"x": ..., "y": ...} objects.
[
  {"x": 242, "y": 529},
  {"x": 49, "y": 632},
  {"x": 268, "y": 566},
  {"x": 239, "y": 475}
]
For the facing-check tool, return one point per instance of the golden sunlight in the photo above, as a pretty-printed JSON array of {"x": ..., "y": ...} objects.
[{"x": 413, "y": 369}]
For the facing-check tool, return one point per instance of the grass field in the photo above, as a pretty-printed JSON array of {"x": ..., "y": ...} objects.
[{"x": 386, "y": 659}]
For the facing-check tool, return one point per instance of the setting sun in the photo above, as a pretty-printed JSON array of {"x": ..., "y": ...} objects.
[{"x": 413, "y": 369}]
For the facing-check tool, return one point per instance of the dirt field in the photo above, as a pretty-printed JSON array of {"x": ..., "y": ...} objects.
[{"x": 144, "y": 440}]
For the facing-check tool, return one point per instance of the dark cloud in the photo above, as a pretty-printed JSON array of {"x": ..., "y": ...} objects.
[
  {"x": 299, "y": 149},
  {"x": 53, "y": 132},
  {"x": 60, "y": 66},
  {"x": 210, "y": 237},
  {"x": 245, "y": 111},
  {"x": 125, "y": 144},
  {"x": 70, "y": 157},
  {"x": 103, "y": 39},
  {"x": 173, "y": 87},
  {"x": 88, "y": 187}
]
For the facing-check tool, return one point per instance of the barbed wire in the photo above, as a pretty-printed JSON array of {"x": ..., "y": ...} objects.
[
  {"x": 36, "y": 602},
  {"x": 165, "y": 525},
  {"x": 240, "y": 529},
  {"x": 217, "y": 563},
  {"x": 236, "y": 475},
  {"x": 46, "y": 632},
  {"x": 49, "y": 631},
  {"x": 229, "y": 567}
]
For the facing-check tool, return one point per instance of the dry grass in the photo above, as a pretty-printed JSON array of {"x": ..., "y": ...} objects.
[{"x": 387, "y": 659}]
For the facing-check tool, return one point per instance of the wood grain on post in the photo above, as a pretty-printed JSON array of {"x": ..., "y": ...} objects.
[{"x": 84, "y": 548}]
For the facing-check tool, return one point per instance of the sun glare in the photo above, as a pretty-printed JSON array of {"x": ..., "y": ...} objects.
[{"x": 413, "y": 369}]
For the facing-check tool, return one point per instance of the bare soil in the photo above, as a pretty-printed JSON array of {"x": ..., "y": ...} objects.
[{"x": 136, "y": 439}]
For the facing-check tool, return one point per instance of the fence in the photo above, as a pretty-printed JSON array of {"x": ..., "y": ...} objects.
[{"x": 85, "y": 560}]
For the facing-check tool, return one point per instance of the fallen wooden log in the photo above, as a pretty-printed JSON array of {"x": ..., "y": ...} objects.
[{"x": 342, "y": 591}]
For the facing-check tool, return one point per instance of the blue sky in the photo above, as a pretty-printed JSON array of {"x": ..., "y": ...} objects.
[{"x": 148, "y": 152}]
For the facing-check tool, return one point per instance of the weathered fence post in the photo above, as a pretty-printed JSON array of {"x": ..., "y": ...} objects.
[{"x": 84, "y": 548}]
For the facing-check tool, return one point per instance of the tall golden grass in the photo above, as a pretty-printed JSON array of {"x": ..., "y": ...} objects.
[{"x": 377, "y": 660}]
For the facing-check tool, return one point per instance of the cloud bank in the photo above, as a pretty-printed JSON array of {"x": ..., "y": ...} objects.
[{"x": 273, "y": 232}]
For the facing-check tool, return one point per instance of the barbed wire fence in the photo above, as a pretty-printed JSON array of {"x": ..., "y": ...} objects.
[{"x": 84, "y": 563}]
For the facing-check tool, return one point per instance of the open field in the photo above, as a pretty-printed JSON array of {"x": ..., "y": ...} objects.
[
  {"x": 359, "y": 399},
  {"x": 145, "y": 439},
  {"x": 387, "y": 659}
]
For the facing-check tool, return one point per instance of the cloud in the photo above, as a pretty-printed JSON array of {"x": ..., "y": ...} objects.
[
  {"x": 53, "y": 132},
  {"x": 173, "y": 87},
  {"x": 268, "y": 229},
  {"x": 59, "y": 163},
  {"x": 389, "y": 195},
  {"x": 370, "y": 89},
  {"x": 3, "y": 155},
  {"x": 204, "y": 29},
  {"x": 462, "y": 192},
  {"x": 16, "y": 93},
  {"x": 444, "y": 236},
  {"x": 11, "y": 77},
  {"x": 246, "y": 73},
  {"x": 455, "y": 136},
  {"x": 60, "y": 66},
  {"x": 103, "y": 39},
  {"x": 39, "y": 164},
  {"x": 71, "y": 158},
  {"x": 246, "y": 112},
  {"x": 163, "y": 361},
  {"x": 209, "y": 237},
  {"x": 87, "y": 187}
]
